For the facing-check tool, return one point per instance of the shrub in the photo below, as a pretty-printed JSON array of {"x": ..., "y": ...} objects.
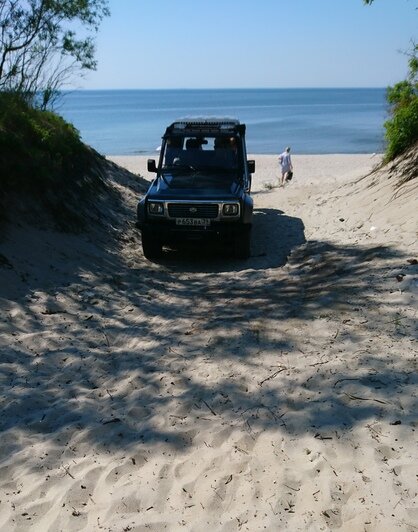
[{"x": 402, "y": 129}]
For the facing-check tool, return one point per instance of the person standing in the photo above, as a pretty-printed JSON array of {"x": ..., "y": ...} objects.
[{"x": 285, "y": 164}]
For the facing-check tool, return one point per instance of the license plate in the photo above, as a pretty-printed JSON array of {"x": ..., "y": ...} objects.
[{"x": 193, "y": 221}]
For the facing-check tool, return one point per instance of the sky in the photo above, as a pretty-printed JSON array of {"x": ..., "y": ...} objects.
[{"x": 187, "y": 44}]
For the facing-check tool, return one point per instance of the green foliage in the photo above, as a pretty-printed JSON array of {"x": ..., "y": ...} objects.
[
  {"x": 400, "y": 95},
  {"x": 402, "y": 128},
  {"x": 44, "y": 42},
  {"x": 35, "y": 146},
  {"x": 43, "y": 158},
  {"x": 413, "y": 65}
]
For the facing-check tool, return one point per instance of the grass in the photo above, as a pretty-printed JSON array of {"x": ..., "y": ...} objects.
[{"x": 43, "y": 158}]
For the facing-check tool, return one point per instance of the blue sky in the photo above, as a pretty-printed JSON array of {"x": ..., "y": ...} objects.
[{"x": 253, "y": 43}]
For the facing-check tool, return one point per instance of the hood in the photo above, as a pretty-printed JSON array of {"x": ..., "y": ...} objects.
[{"x": 197, "y": 185}]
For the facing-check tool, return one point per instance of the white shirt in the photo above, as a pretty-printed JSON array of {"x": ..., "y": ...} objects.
[{"x": 285, "y": 161}]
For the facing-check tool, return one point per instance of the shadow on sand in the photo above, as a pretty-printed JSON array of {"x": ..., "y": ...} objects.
[
  {"x": 274, "y": 235},
  {"x": 196, "y": 337}
]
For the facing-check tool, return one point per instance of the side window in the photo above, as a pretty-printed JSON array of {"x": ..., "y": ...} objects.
[{"x": 173, "y": 149}]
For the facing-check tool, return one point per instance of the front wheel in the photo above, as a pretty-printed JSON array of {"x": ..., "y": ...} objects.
[
  {"x": 242, "y": 244},
  {"x": 151, "y": 246}
]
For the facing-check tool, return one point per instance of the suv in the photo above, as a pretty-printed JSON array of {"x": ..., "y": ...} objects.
[{"x": 202, "y": 187}]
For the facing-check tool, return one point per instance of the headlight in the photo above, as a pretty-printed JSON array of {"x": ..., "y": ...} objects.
[
  {"x": 155, "y": 208},
  {"x": 230, "y": 209}
]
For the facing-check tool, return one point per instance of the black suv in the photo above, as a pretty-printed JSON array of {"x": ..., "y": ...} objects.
[{"x": 202, "y": 187}]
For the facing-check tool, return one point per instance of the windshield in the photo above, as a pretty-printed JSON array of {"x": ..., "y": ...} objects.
[{"x": 207, "y": 155}]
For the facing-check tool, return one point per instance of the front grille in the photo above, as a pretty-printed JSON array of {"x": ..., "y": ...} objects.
[{"x": 193, "y": 210}]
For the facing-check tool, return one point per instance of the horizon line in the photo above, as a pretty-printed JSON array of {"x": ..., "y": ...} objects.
[{"x": 222, "y": 88}]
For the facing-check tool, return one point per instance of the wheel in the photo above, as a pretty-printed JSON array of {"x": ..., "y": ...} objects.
[
  {"x": 151, "y": 246},
  {"x": 242, "y": 244}
]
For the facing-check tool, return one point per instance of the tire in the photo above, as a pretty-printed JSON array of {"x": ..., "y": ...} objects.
[
  {"x": 242, "y": 244},
  {"x": 151, "y": 246}
]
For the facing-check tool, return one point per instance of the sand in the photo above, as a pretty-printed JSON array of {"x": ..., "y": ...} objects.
[{"x": 206, "y": 393}]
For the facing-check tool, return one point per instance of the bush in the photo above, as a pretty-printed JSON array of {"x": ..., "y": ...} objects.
[{"x": 402, "y": 129}]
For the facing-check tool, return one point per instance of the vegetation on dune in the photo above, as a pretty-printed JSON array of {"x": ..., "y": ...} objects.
[
  {"x": 37, "y": 148},
  {"x": 42, "y": 156},
  {"x": 43, "y": 43},
  {"x": 402, "y": 127}
]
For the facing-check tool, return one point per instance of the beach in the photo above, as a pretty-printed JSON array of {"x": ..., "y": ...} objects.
[{"x": 202, "y": 392}]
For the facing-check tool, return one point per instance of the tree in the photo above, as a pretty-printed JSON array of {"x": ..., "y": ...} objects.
[{"x": 39, "y": 46}]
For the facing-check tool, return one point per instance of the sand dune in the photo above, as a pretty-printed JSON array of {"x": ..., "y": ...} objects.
[{"x": 205, "y": 393}]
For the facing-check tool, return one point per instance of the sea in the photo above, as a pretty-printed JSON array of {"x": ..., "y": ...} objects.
[{"x": 311, "y": 121}]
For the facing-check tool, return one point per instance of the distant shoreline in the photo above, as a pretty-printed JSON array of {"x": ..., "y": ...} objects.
[{"x": 243, "y": 89}]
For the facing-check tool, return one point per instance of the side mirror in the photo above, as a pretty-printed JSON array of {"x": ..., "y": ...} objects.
[
  {"x": 251, "y": 166},
  {"x": 151, "y": 165}
]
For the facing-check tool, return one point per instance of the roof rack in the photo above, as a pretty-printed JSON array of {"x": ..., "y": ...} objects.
[{"x": 205, "y": 125}]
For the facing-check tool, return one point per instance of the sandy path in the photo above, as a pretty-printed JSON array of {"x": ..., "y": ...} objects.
[{"x": 201, "y": 392}]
